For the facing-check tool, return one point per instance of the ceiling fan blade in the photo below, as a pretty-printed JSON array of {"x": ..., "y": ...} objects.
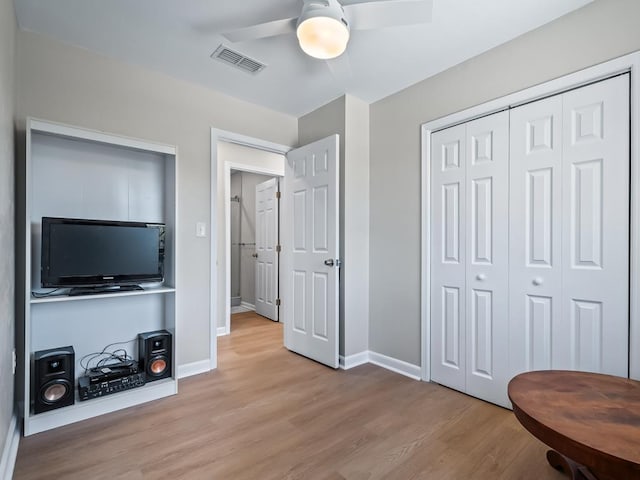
[
  {"x": 340, "y": 68},
  {"x": 262, "y": 30},
  {"x": 388, "y": 13}
]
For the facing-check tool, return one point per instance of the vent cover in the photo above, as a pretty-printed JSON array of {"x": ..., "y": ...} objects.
[{"x": 238, "y": 60}]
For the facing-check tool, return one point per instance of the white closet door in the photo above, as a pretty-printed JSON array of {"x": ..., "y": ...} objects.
[
  {"x": 595, "y": 229},
  {"x": 569, "y": 231},
  {"x": 535, "y": 242},
  {"x": 448, "y": 263},
  {"x": 487, "y": 257}
]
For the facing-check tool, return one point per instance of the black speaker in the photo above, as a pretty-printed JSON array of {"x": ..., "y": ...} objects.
[
  {"x": 154, "y": 354},
  {"x": 53, "y": 379}
]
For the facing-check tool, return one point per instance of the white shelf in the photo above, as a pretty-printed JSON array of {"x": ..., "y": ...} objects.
[
  {"x": 79, "y": 173},
  {"x": 67, "y": 298},
  {"x": 99, "y": 406}
]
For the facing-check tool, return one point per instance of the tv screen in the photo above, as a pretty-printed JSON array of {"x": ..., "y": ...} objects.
[{"x": 95, "y": 253}]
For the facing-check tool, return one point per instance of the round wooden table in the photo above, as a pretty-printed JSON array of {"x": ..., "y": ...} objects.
[{"x": 591, "y": 421}]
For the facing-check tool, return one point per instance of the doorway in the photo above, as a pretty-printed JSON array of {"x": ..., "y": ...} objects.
[
  {"x": 231, "y": 151},
  {"x": 311, "y": 212},
  {"x": 254, "y": 235},
  {"x": 250, "y": 162}
]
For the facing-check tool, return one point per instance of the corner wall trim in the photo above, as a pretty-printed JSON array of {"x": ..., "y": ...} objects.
[
  {"x": 354, "y": 360},
  {"x": 395, "y": 365},
  {"x": 222, "y": 331},
  {"x": 10, "y": 451},
  {"x": 194, "y": 368},
  {"x": 248, "y": 305}
]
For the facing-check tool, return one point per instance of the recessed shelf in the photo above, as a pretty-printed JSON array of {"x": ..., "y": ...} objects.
[
  {"x": 99, "y": 406},
  {"x": 66, "y": 298},
  {"x": 78, "y": 173}
]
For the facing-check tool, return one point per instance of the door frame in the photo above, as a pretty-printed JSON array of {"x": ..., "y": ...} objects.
[
  {"x": 626, "y": 64},
  {"x": 218, "y": 135}
]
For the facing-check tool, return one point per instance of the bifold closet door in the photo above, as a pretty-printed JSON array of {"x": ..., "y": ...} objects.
[
  {"x": 469, "y": 257},
  {"x": 569, "y": 231},
  {"x": 448, "y": 257},
  {"x": 487, "y": 258}
]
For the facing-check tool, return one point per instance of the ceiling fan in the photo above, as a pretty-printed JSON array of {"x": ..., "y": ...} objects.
[{"x": 324, "y": 26}]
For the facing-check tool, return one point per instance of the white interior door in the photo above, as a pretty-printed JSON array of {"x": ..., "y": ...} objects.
[
  {"x": 310, "y": 279},
  {"x": 469, "y": 261},
  {"x": 595, "y": 227},
  {"x": 535, "y": 235},
  {"x": 267, "y": 218},
  {"x": 569, "y": 236},
  {"x": 448, "y": 257},
  {"x": 530, "y": 241},
  {"x": 487, "y": 265}
]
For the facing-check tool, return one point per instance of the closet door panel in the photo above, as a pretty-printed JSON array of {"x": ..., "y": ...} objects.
[
  {"x": 595, "y": 226},
  {"x": 535, "y": 242},
  {"x": 487, "y": 249},
  {"x": 448, "y": 257}
]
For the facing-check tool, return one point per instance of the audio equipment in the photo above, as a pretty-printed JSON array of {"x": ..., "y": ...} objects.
[
  {"x": 88, "y": 388},
  {"x": 154, "y": 354},
  {"x": 53, "y": 379},
  {"x": 112, "y": 370}
]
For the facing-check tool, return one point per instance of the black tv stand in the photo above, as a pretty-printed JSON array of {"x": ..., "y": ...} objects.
[{"x": 76, "y": 291}]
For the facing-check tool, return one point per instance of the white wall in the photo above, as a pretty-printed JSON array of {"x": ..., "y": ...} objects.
[
  {"x": 67, "y": 84},
  {"x": 7, "y": 205},
  {"x": 600, "y": 31},
  {"x": 349, "y": 117}
]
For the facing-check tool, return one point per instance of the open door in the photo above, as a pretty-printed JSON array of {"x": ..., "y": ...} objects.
[
  {"x": 267, "y": 249},
  {"x": 311, "y": 265}
]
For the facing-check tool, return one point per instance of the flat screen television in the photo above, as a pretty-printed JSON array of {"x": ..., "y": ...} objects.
[{"x": 92, "y": 256}]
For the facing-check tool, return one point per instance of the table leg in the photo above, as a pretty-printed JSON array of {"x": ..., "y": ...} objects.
[{"x": 569, "y": 467}]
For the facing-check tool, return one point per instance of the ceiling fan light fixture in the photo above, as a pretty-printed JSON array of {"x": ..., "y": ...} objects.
[{"x": 322, "y": 31}]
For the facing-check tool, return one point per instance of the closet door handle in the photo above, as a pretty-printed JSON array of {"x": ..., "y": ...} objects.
[
  {"x": 537, "y": 281},
  {"x": 481, "y": 277}
]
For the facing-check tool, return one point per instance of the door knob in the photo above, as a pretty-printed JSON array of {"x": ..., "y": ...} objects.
[
  {"x": 254, "y": 255},
  {"x": 537, "y": 281},
  {"x": 329, "y": 263},
  {"x": 481, "y": 276}
]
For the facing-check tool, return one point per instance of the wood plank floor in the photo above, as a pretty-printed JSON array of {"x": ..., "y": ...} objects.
[{"x": 267, "y": 413}]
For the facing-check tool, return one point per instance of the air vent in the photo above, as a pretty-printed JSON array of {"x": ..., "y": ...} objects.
[{"x": 238, "y": 60}]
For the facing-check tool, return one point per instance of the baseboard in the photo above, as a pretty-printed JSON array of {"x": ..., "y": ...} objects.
[
  {"x": 395, "y": 365},
  {"x": 194, "y": 368},
  {"x": 222, "y": 331},
  {"x": 10, "y": 451},
  {"x": 248, "y": 305},
  {"x": 354, "y": 360}
]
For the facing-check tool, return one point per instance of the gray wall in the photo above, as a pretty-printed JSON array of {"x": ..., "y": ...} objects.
[
  {"x": 349, "y": 117},
  {"x": 7, "y": 258},
  {"x": 598, "y": 32},
  {"x": 67, "y": 84},
  {"x": 235, "y": 210},
  {"x": 355, "y": 253}
]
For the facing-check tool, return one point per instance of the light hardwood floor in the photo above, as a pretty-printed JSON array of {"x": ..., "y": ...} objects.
[{"x": 267, "y": 413}]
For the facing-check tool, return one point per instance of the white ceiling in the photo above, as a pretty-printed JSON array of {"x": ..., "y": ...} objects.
[{"x": 178, "y": 36}]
